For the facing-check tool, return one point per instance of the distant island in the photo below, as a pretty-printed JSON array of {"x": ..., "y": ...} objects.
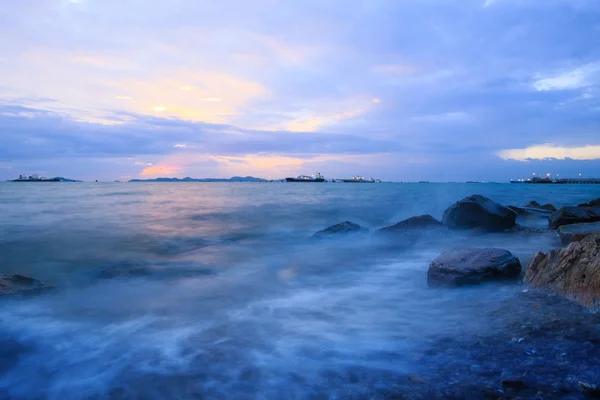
[{"x": 188, "y": 179}]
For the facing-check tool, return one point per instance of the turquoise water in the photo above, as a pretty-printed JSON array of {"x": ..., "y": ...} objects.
[{"x": 215, "y": 290}]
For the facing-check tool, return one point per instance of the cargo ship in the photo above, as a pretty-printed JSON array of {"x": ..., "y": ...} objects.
[
  {"x": 305, "y": 178},
  {"x": 360, "y": 179}
]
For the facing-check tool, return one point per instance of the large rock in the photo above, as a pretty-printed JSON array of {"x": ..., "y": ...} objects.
[
  {"x": 575, "y": 232},
  {"x": 472, "y": 266},
  {"x": 479, "y": 212},
  {"x": 21, "y": 285},
  {"x": 573, "y": 215},
  {"x": 573, "y": 271},
  {"x": 342, "y": 229},
  {"x": 410, "y": 224}
]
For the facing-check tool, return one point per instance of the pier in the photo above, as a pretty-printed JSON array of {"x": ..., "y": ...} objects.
[{"x": 564, "y": 181}]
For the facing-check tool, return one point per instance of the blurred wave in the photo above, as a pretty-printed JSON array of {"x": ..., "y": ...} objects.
[{"x": 218, "y": 291}]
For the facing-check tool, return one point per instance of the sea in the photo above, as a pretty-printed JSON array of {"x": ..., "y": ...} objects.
[{"x": 218, "y": 290}]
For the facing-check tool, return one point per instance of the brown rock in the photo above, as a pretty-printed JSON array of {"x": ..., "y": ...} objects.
[{"x": 573, "y": 271}]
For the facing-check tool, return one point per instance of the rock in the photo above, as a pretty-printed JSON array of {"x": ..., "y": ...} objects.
[
  {"x": 342, "y": 229},
  {"x": 420, "y": 222},
  {"x": 472, "y": 266},
  {"x": 575, "y": 232},
  {"x": 529, "y": 212},
  {"x": 548, "y": 207},
  {"x": 573, "y": 215},
  {"x": 479, "y": 212},
  {"x": 535, "y": 204},
  {"x": 573, "y": 271},
  {"x": 21, "y": 285},
  {"x": 593, "y": 203}
]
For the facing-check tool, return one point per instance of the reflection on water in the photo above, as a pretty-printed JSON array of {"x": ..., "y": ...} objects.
[{"x": 217, "y": 291}]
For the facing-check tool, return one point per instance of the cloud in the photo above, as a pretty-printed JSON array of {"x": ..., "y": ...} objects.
[
  {"x": 428, "y": 83},
  {"x": 180, "y": 146},
  {"x": 160, "y": 170},
  {"x": 581, "y": 77},
  {"x": 548, "y": 151}
]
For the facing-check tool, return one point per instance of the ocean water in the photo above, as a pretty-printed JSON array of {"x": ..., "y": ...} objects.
[{"x": 215, "y": 290}]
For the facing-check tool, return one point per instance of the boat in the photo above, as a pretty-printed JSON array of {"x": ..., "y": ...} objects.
[
  {"x": 35, "y": 178},
  {"x": 306, "y": 178},
  {"x": 359, "y": 179}
]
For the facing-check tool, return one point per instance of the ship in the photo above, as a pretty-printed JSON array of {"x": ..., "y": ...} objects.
[
  {"x": 306, "y": 178},
  {"x": 360, "y": 179},
  {"x": 35, "y": 178}
]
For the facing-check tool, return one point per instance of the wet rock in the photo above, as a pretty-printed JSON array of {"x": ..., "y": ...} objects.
[
  {"x": 420, "y": 222},
  {"x": 573, "y": 215},
  {"x": 472, "y": 266},
  {"x": 573, "y": 271},
  {"x": 342, "y": 229},
  {"x": 593, "y": 203},
  {"x": 575, "y": 232},
  {"x": 479, "y": 212},
  {"x": 21, "y": 285},
  {"x": 548, "y": 207},
  {"x": 535, "y": 204}
]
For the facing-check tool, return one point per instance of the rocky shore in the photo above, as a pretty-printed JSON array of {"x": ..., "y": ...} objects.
[{"x": 542, "y": 343}]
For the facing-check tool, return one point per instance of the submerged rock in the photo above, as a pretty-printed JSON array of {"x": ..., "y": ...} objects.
[
  {"x": 420, "y": 222},
  {"x": 573, "y": 271},
  {"x": 573, "y": 215},
  {"x": 342, "y": 229},
  {"x": 472, "y": 266},
  {"x": 575, "y": 232},
  {"x": 479, "y": 212},
  {"x": 21, "y": 285}
]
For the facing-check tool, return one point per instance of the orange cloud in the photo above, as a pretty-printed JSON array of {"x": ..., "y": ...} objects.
[
  {"x": 312, "y": 122},
  {"x": 160, "y": 170}
]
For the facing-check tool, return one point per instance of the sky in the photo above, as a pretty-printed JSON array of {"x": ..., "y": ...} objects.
[{"x": 403, "y": 90}]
